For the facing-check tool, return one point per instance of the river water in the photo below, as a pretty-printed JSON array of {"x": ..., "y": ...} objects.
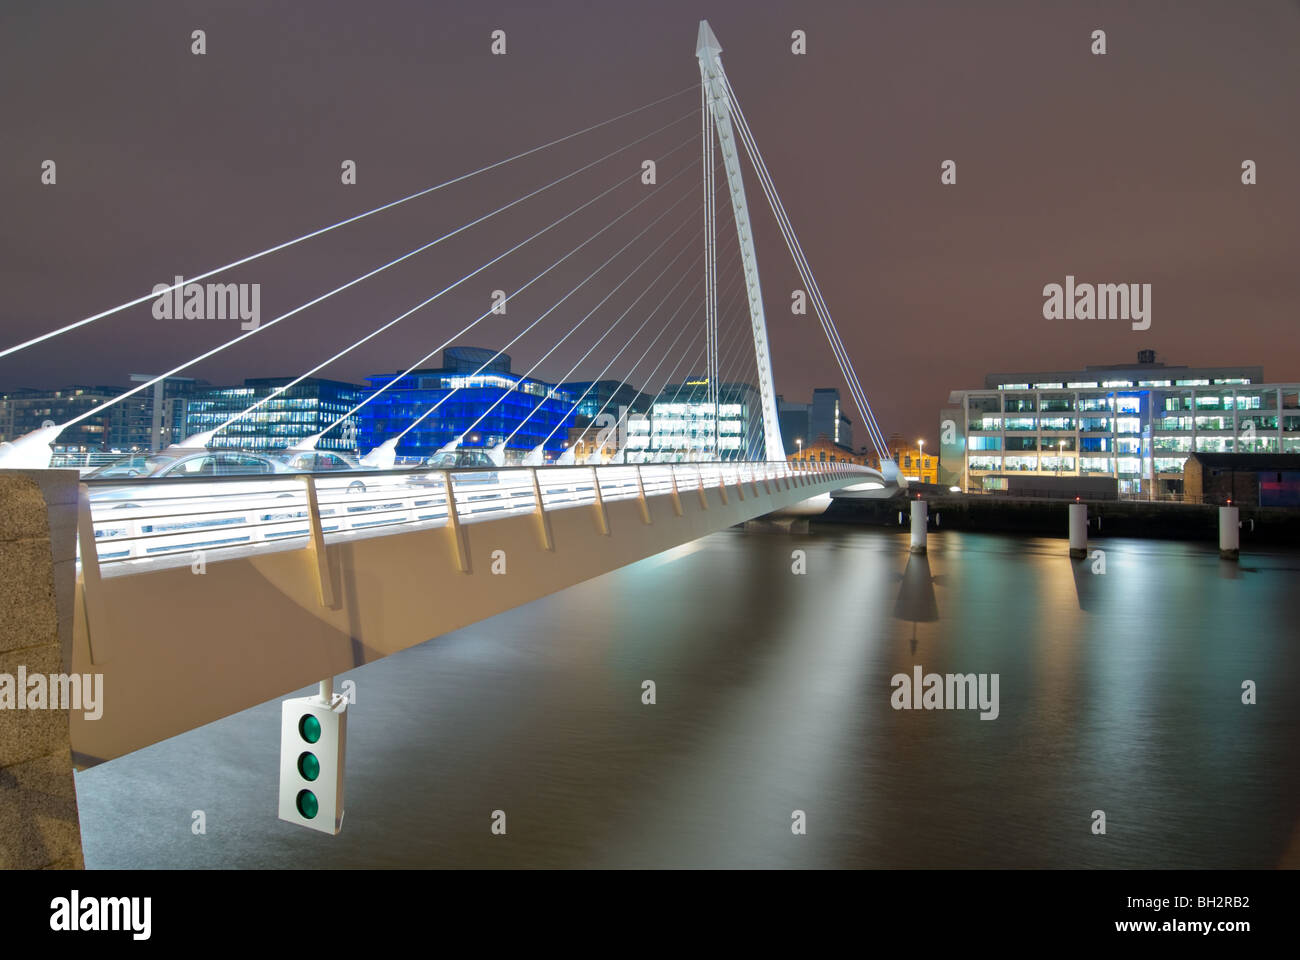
[{"x": 1118, "y": 691}]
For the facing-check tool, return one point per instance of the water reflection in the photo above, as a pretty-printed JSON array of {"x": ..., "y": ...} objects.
[
  {"x": 916, "y": 602},
  {"x": 1119, "y": 691}
]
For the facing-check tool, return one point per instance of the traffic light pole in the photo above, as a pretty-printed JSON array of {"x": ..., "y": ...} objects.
[{"x": 313, "y": 744}]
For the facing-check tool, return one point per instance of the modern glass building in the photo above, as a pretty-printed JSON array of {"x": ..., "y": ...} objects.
[
  {"x": 802, "y": 424},
  {"x": 304, "y": 409},
  {"x": 1134, "y": 422},
  {"x": 27, "y": 409},
  {"x": 828, "y": 419},
  {"x": 464, "y": 396},
  {"x": 680, "y": 426},
  {"x": 611, "y": 396}
]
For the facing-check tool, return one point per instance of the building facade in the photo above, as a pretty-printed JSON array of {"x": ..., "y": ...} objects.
[
  {"x": 1137, "y": 423},
  {"x": 301, "y": 411},
  {"x": 153, "y": 418},
  {"x": 828, "y": 419},
  {"x": 609, "y": 396},
  {"x": 915, "y": 463},
  {"x": 680, "y": 426},
  {"x": 529, "y": 409},
  {"x": 27, "y": 409},
  {"x": 806, "y": 423},
  {"x": 1247, "y": 479},
  {"x": 824, "y": 451}
]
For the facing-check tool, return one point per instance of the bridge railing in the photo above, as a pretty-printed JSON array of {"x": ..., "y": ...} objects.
[{"x": 133, "y": 522}]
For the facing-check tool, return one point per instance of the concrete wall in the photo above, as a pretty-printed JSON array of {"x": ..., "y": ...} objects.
[{"x": 39, "y": 827}]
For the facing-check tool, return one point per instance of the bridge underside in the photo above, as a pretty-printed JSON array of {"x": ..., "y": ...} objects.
[{"x": 179, "y": 649}]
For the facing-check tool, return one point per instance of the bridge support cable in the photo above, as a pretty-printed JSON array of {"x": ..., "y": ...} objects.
[
  {"x": 709, "y": 356},
  {"x": 310, "y": 442},
  {"x": 153, "y": 294},
  {"x": 667, "y": 380},
  {"x": 553, "y": 307},
  {"x": 819, "y": 303},
  {"x": 535, "y": 454},
  {"x": 805, "y": 272},
  {"x": 537, "y": 451},
  {"x": 94, "y": 411},
  {"x": 651, "y": 376},
  {"x": 698, "y": 357},
  {"x": 711, "y": 262},
  {"x": 735, "y": 364},
  {"x": 377, "y": 393},
  {"x": 574, "y": 406},
  {"x": 420, "y": 419},
  {"x": 610, "y": 329},
  {"x": 713, "y": 80},
  {"x": 730, "y": 358}
]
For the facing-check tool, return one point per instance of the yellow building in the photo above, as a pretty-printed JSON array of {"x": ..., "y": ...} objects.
[
  {"x": 917, "y": 463},
  {"x": 823, "y": 450}
]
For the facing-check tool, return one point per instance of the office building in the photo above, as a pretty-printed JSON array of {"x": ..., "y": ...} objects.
[
  {"x": 462, "y": 393},
  {"x": 27, "y": 409},
  {"x": 610, "y": 396},
  {"x": 301, "y": 411},
  {"x": 1135, "y": 422},
  {"x": 807, "y": 422},
  {"x": 680, "y": 426}
]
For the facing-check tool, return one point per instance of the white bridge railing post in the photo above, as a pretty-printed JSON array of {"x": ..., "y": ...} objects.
[
  {"x": 539, "y": 510},
  {"x": 458, "y": 542},
  {"x": 316, "y": 544}
]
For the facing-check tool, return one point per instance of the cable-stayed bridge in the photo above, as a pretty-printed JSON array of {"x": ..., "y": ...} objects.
[{"x": 203, "y": 595}]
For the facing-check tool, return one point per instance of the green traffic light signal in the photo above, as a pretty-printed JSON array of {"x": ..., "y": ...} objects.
[
  {"x": 309, "y": 728},
  {"x": 308, "y": 766},
  {"x": 308, "y": 805}
]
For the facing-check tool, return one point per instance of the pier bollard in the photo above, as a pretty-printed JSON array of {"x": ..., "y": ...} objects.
[
  {"x": 1229, "y": 533},
  {"x": 1078, "y": 530},
  {"x": 919, "y": 515}
]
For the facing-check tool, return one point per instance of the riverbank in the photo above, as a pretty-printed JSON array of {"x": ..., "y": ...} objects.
[{"x": 1273, "y": 526}]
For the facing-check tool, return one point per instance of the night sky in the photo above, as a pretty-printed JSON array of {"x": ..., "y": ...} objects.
[{"x": 1117, "y": 168}]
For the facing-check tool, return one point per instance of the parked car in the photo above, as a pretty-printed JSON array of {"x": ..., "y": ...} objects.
[
  {"x": 458, "y": 460},
  {"x": 161, "y": 467},
  {"x": 325, "y": 462},
  {"x": 136, "y": 465}
]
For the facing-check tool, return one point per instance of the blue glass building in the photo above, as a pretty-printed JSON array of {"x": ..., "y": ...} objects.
[{"x": 465, "y": 395}]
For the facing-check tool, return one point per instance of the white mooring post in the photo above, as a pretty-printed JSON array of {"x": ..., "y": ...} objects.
[
  {"x": 919, "y": 516},
  {"x": 1229, "y": 533},
  {"x": 1078, "y": 530}
]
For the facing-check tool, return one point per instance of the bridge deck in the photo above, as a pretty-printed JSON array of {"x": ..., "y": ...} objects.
[{"x": 303, "y": 583}]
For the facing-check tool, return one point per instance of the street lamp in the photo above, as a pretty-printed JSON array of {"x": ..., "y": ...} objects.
[
  {"x": 920, "y": 459},
  {"x": 799, "y": 441}
]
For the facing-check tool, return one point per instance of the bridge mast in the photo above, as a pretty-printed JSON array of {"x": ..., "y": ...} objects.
[{"x": 712, "y": 79}]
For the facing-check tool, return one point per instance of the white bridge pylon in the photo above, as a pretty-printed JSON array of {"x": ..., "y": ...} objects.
[{"x": 713, "y": 80}]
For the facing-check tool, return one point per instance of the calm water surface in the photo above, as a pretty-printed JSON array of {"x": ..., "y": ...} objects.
[{"x": 1118, "y": 692}]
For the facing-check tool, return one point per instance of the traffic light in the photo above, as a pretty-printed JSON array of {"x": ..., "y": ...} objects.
[{"x": 313, "y": 737}]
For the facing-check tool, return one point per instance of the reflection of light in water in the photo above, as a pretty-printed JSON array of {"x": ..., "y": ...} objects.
[{"x": 773, "y": 695}]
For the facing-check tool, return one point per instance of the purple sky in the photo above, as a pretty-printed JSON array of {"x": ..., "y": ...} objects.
[{"x": 1117, "y": 168}]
